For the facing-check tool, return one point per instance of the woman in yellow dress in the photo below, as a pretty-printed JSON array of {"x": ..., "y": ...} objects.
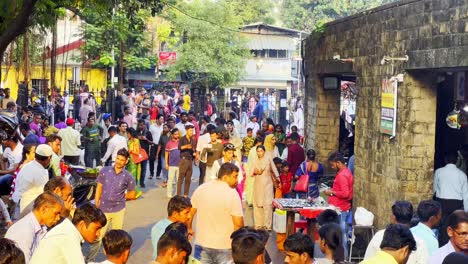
[{"x": 134, "y": 149}]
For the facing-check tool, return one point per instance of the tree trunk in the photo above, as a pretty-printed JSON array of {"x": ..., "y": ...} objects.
[
  {"x": 18, "y": 25},
  {"x": 121, "y": 67},
  {"x": 53, "y": 55},
  {"x": 26, "y": 57}
]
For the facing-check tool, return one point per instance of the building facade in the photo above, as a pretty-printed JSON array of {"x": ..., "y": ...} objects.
[{"x": 425, "y": 44}]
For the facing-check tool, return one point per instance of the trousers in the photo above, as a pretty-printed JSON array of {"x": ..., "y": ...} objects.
[
  {"x": 185, "y": 176},
  {"x": 171, "y": 178},
  {"x": 263, "y": 216}
]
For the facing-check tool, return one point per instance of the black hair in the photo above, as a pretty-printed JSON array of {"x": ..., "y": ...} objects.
[
  {"x": 261, "y": 147},
  {"x": 141, "y": 121},
  {"x": 230, "y": 122},
  {"x": 403, "y": 212},
  {"x": 311, "y": 154},
  {"x": 174, "y": 130},
  {"x": 398, "y": 236},
  {"x": 328, "y": 216},
  {"x": 132, "y": 132},
  {"x": 451, "y": 157},
  {"x": 113, "y": 129},
  {"x": 277, "y": 160},
  {"x": 10, "y": 253},
  {"x": 26, "y": 149},
  {"x": 333, "y": 237},
  {"x": 428, "y": 208},
  {"x": 47, "y": 198},
  {"x": 54, "y": 183},
  {"x": 89, "y": 213},
  {"x": 227, "y": 169},
  {"x": 207, "y": 119},
  {"x": 249, "y": 129},
  {"x": 336, "y": 157},
  {"x": 178, "y": 203},
  {"x": 246, "y": 248},
  {"x": 295, "y": 136},
  {"x": 122, "y": 122},
  {"x": 280, "y": 126},
  {"x": 173, "y": 239},
  {"x": 179, "y": 227},
  {"x": 25, "y": 126},
  {"x": 123, "y": 152},
  {"x": 285, "y": 164},
  {"x": 52, "y": 138},
  {"x": 116, "y": 241},
  {"x": 183, "y": 114},
  {"x": 159, "y": 116},
  {"x": 262, "y": 234},
  {"x": 456, "y": 258},
  {"x": 457, "y": 217},
  {"x": 299, "y": 243}
]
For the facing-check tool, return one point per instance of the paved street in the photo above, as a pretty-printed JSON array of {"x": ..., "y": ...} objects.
[{"x": 151, "y": 207}]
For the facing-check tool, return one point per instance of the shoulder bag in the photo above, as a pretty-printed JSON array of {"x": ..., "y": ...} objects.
[{"x": 302, "y": 184}]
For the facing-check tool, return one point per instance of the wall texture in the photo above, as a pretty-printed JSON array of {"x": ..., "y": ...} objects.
[{"x": 434, "y": 34}]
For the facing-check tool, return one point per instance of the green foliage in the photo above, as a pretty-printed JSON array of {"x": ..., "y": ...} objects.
[
  {"x": 251, "y": 11},
  {"x": 211, "y": 50},
  {"x": 309, "y": 14}
]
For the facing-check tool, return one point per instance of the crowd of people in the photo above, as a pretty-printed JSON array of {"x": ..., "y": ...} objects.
[{"x": 240, "y": 167}]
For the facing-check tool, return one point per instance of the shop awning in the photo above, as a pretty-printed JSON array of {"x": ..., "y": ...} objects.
[{"x": 269, "y": 42}]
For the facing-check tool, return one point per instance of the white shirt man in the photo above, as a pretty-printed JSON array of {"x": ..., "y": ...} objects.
[
  {"x": 254, "y": 125},
  {"x": 156, "y": 130},
  {"x": 14, "y": 156},
  {"x": 70, "y": 139},
  {"x": 116, "y": 143},
  {"x": 181, "y": 127},
  {"x": 451, "y": 183}
]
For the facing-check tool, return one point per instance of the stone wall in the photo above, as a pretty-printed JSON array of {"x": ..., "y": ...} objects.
[{"x": 434, "y": 33}]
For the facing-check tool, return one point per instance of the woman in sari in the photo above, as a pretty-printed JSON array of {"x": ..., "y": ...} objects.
[
  {"x": 249, "y": 181},
  {"x": 266, "y": 177},
  {"x": 134, "y": 149},
  {"x": 280, "y": 138},
  {"x": 270, "y": 146}
]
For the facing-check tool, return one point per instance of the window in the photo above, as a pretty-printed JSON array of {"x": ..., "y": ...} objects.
[
  {"x": 272, "y": 53},
  {"x": 39, "y": 84}
]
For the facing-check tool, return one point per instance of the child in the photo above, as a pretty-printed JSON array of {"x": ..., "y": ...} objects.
[
  {"x": 248, "y": 142},
  {"x": 286, "y": 181},
  {"x": 117, "y": 244},
  {"x": 154, "y": 111}
]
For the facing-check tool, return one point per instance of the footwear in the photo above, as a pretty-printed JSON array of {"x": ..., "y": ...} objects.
[
  {"x": 150, "y": 177},
  {"x": 143, "y": 185},
  {"x": 158, "y": 177}
]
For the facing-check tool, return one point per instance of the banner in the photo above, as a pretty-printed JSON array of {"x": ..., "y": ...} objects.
[
  {"x": 167, "y": 57},
  {"x": 388, "y": 115}
]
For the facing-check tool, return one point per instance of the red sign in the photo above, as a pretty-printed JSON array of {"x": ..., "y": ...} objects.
[{"x": 167, "y": 57}]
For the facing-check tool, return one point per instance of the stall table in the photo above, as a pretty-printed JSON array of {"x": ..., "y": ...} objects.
[{"x": 305, "y": 208}]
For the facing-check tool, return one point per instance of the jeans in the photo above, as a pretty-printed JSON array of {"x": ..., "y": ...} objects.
[
  {"x": 152, "y": 160},
  {"x": 74, "y": 160},
  {"x": 115, "y": 220},
  {"x": 91, "y": 155},
  {"x": 212, "y": 256},
  {"x": 172, "y": 177},
  {"x": 345, "y": 224},
  {"x": 163, "y": 170},
  {"x": 144, "y": 164},
  {"x": 202, "y": 166}
]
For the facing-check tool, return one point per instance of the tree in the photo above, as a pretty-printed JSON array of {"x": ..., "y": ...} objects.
[
  {"x": 309, "y": 14},
  {"x": 214, "y": 50},
  {"x": 251, "y": 11}
]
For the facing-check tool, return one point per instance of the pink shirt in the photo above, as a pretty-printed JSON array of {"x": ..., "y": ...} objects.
[{"x": 216, "y": 203}]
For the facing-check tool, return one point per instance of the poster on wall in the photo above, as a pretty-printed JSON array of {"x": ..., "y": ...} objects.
[{"x": 388, "y": 114}]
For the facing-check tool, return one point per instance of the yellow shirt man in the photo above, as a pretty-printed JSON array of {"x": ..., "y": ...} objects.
[
  {"x": 186, "y": 105},
  {"x": 382, "y": 257}
]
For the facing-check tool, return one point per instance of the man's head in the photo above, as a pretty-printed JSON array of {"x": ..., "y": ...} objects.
[
  {"x": 399, "y": 242},
  {"x": 117, "y": 244},
  {"x": 402, "y": 212},
  {"x": 295, "y": 138},
  {"x": 7, "y": 92},
  {"x": 25, "y": 129},
  {"x": 213, "y": 136},
  {"x": 336, "y": 160},
  {"x": 228, "y": 151},
  {"x": 189, "y": 130},
  {"x": 37, "y": 118},
  {"x": 249, "y": 132},
  {"x": 47, "y": 208},
  {"x": 60, "y": 186},
  {"x": 141, "y": 125},
  {"x": 253, "y": 119},
  {"x": 173, "y": 248},
  {"x": 10, "y": 142},
  {"x": 175, "y": 134},
  {"x": 457, "y": 230},
  {"x": 89, "y": 220},
  {"x": 91, "y": 121},
  {"x": 43, "y": 155},
  {"x": 160, "y": 119},
  {"x": 11, "y": 106},
  {"x": 228, "y": 173},
  {"x": 10, "y": 253},
  {"x": 299, "y": 249},
  {"x": 183, "y": 117},
  {"x": 294, "y": 129},
  {"x": 113, "y": 131},
  {"x": 127, "y": 110},
  {"x": 248, "y": 248},
  {"x": 451, "y": 157},
  {"x": 191, "y": 116},
  {"x": 166, "y": 129},
  {"x": 429, "y": 212},
  {"x": 178, "y": 209},
  {"x": 122, "y": 159},
  {"x": 55, "y": 142},
  {"x": 328, "y": 216},
  {"x": 123, "y": 127}
]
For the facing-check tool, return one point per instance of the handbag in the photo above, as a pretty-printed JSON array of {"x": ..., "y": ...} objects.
[
  {"x": 140, "y": 157},
  {"x": 303, "y": 183}
]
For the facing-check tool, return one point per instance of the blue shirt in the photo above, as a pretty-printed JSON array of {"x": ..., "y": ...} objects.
[
  {"x": 113, "y": 189},
  {"x": 156, "y": 233},
  {"x": 425, "y": 233},
  {"x": 31, "y": 138},
  {"x": 27, "y": 233}
]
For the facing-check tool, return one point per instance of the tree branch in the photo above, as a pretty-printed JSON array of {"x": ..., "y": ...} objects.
[{"x": 18, "y": 25}]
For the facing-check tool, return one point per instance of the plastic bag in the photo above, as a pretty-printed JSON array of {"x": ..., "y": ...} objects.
[
  {"x": 363, "y": 217},
  {"x": 279, "y": 221}
]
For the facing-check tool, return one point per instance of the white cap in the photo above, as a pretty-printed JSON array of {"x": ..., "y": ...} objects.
[{"x": 44, "y": 150}]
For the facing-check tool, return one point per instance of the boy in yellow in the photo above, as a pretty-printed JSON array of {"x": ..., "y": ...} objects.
[
  {"x": 248, "y": 142},
  {"x": 186, "y": 105}
]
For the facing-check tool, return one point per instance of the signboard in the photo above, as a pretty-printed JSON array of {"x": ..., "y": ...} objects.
[
  {"x": 388, "y": 114},
  {"x": 166, "y": 58}
]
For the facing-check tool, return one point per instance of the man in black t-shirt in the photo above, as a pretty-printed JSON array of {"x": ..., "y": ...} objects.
[{"x": 187, "y": 147}]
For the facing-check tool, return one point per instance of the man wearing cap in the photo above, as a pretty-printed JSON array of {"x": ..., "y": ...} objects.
[
  {"x": 70, "y": 143},
  {"x": 187, "y": 147},
  {"x": 183, "y": 123},
  {"x": 31, "y": 179},
  {"x": 253, "y": 125}
]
